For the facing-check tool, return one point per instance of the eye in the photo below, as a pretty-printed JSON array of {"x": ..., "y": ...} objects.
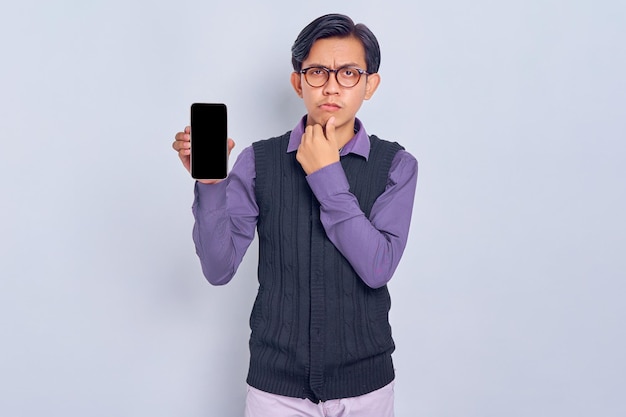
[
  {"x": 348, "y": 72},
  {"x": 317, "y": 72}
]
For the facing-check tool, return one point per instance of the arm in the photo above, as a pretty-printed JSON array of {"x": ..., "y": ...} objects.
[
  {"x": 225, "y": 219},
  {"x": 372, "y": 246}
]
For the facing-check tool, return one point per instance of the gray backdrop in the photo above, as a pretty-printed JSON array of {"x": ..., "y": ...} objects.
[{"x": 508, "y": 301}]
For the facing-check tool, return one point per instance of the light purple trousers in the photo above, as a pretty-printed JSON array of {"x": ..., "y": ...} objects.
[{"x": 378, "y": 403}]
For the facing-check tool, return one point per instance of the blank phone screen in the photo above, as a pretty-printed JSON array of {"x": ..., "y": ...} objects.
[{"x": 208, "y": 141}]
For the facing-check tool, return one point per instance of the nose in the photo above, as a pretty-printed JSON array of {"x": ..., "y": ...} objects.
[{"x": 331, "y": 86}]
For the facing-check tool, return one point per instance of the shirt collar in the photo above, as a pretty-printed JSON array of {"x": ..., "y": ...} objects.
[{"x": 359, "y": 144}]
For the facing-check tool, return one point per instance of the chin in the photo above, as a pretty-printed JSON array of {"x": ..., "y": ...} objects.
[
  {"x": 316, "y": 120},
  {"x": 321, "y": 119}
]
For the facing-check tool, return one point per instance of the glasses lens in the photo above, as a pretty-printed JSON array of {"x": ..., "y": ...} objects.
[
  {"x": 316, "y": 77},
  {"x": 348, "y": 77}
]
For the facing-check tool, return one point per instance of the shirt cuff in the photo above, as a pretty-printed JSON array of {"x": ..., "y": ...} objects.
[
  {"x": 210, "y": 197},
  {"x": 328, "y": 181}
]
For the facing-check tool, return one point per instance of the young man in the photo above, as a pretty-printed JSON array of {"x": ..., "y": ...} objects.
[{"x": 332, "y": 208}]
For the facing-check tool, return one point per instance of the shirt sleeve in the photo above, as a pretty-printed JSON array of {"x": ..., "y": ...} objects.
[
  {"x": 373, "y": 246},
  {"x": 225, "y": 220}
]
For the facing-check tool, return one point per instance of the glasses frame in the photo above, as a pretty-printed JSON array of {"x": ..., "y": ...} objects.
[{"x": 336, "y": 72}]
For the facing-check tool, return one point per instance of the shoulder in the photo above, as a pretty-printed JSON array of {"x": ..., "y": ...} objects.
[
  {"x": 401, "y": 155},
  {"x": 275, "y": 141},
  {"x": 403, "y": 165},
  {"x": 401, "y": 152},
  {"x": 375, "y": 140},
  {"x": 404, "y": 157}
]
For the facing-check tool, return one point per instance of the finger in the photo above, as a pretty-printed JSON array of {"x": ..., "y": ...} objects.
[
  {"x": 330, "y": 129},
  {"x": 309, "y": 131},
  {"x": 179, "y": 145},
  {"x": 318, "y": 130},
  {"x": 231, "y": 145},
  {"x": 187, "y": 129},
  {"x": 182, "y": 136}
]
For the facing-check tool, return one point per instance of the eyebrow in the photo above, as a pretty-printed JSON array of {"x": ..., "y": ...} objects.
[{"x": 349, "y": 64}]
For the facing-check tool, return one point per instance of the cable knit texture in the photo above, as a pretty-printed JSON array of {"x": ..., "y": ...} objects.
[{"x": 318, "y": 331}]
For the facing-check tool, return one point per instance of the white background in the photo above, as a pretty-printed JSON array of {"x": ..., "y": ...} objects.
[{"x": 509, "y": 299}]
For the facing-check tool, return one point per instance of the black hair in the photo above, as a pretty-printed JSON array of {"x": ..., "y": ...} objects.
[{"x": 338, "y": 25}]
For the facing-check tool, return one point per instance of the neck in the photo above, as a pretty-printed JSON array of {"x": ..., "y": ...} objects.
[{"x": 345, "y": 133}]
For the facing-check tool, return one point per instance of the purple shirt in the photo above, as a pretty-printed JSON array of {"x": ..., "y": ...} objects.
[{"x": 226, "y": 214}]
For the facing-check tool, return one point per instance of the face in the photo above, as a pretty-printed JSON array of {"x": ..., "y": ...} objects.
[{"x": 332, "y": 99}]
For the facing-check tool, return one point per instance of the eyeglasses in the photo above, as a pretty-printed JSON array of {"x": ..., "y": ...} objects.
[{"x": 345, "y": 76}]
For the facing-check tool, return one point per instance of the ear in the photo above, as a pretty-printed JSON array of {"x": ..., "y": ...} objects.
[
  {"x": 296, "y": 83},
  {"x": 373, "y": 80}
]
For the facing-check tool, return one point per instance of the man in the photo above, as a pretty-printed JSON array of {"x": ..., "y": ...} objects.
[{"x": 332, "y": 207}]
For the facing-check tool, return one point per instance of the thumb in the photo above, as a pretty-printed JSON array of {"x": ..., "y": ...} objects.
[
  {"x": 330, "y": 130},
  {"x": 231, "y": 145}
]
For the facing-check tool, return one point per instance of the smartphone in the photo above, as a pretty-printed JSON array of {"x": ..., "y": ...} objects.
[{"x": 209, "y": 141}]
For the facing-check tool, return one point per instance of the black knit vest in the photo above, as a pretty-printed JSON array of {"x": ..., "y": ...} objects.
[{"x": 318, "y": 331}]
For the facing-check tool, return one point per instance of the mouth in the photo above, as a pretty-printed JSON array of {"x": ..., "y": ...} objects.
[{"x": 332, "y": 107}]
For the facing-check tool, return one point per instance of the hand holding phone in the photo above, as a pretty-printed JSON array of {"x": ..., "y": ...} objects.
[{"x": 209, "y": 141}]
